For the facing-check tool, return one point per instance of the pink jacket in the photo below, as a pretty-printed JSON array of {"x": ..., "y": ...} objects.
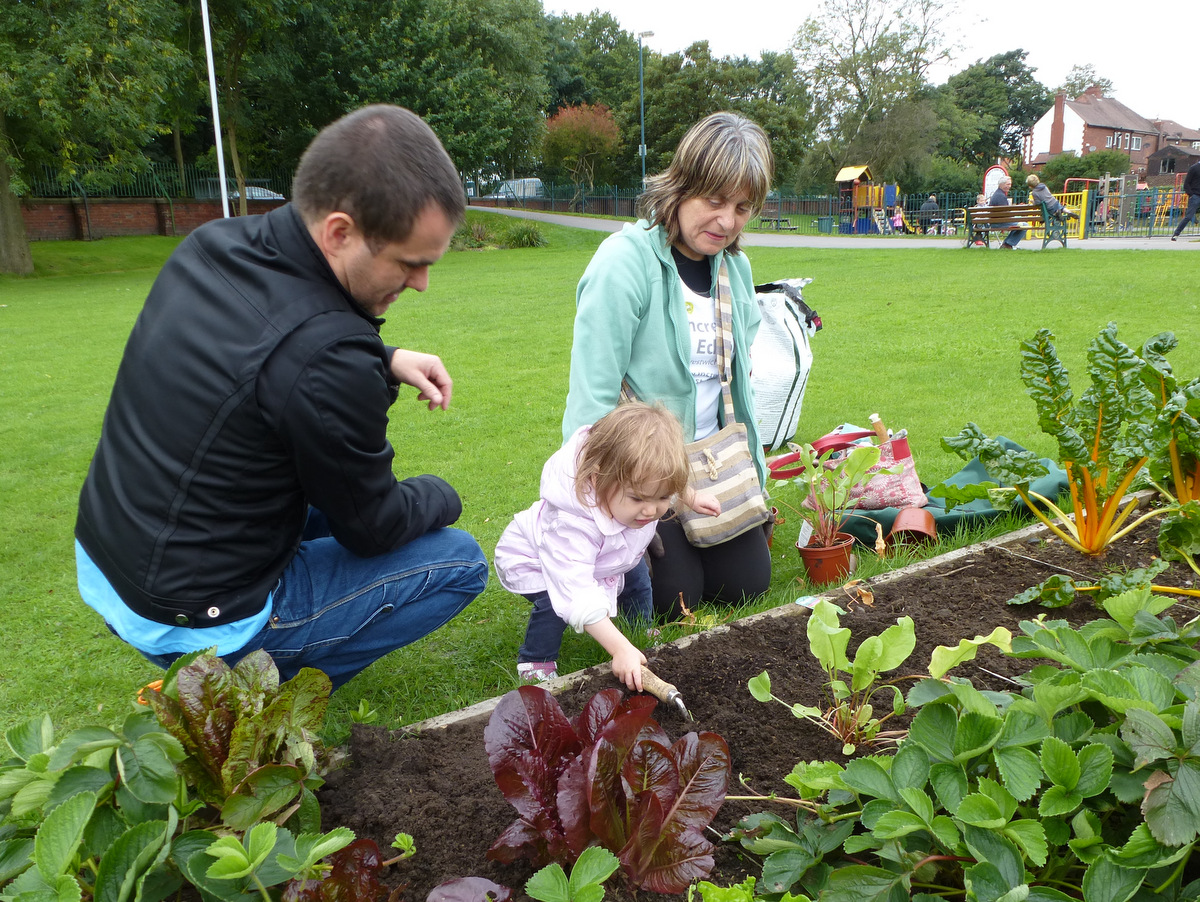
[{"x": 574, "y": 552}]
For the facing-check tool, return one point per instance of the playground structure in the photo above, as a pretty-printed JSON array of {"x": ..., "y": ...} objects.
[{"x": 865, "y": 208}]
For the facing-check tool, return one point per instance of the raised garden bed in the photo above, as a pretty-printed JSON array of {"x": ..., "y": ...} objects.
[{"x": 433, "y": 781}]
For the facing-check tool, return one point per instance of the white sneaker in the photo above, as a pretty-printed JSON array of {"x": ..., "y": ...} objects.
[{"x": 537, "y": 671}]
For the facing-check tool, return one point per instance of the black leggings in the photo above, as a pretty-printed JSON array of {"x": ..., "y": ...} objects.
[{"x": 737, "y": 570}]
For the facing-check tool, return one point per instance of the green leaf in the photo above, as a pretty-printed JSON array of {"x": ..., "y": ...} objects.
[
  {"x": 979, "y": 810},
  {"x": 1149, "y": 737},
  {"x": 595, "y": 865},
  {"x": 783, "y": 869},
  {"x": 1059, "y": 763},
  {"x": 549, "y": 884},
  {"x": 898, "y": 823},
  {"x": 1021, "y": 771},
  {"x": 976, "y": 734},
  {"x": 148, "y": 772},
  {"x": 826, "y": 640},
  {"x": 910, "y": 768},
  {"x": 919, "y": 802},
  {"x": 1095, "y": 769},
  {"x": 994, "y": 848},
  {"x": 1030, "y": 837},
  {"x": 860, "y": 883},
  {"x": 1107, "y": 882},
  {"x": 81, "y": 743},
  {"x": 128, "y": 859},
  {"x": 866, "y": 776},
  {"x": 312, "y": 847},
  {"x": 15, "y": 856},
  {"x": 59, "y": 836},
  {"x": 760, "y": 687},
  {"x": 33, "y": 737},
  {"x": 1057, "y": 801},
  {"x": 1172, "y": 806},
  {"x": 949, "y": 782},
  {"x": 934, "y": 729},
  {"x": 945, "y": 658}
]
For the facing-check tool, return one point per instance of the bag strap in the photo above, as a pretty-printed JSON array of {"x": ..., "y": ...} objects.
[{"x": 725, "y": 340}]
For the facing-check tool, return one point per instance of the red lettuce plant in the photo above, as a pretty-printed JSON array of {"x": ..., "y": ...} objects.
[{"x": 610, "y": 777}]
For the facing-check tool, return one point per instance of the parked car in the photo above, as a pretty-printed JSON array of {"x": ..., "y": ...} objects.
[
  {"x": 256, "y": 192},
  {"x": 518, "y": 189}
]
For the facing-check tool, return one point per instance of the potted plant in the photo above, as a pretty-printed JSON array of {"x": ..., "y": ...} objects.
[{"x": 827, "y": 483}]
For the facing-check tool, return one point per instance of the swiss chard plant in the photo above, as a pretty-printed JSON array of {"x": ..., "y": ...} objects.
[
  {"x": 1059, "y": 590},
  {"x": 1085, "y": 782},
  {"x": 1176, "y": 472},
  {"x": 1125, "y": 418},
  {"x": 848, "y": 711},
  {"x": 219, "y": 797},
  {"x": 608, "y": 777}
]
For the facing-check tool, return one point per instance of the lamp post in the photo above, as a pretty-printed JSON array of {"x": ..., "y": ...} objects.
[{"x": 642, "y": 103}]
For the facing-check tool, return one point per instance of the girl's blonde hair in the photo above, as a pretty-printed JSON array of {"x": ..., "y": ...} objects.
[
  {"x": 721, "y": 154},
  {"x": 635, "y": 446}
]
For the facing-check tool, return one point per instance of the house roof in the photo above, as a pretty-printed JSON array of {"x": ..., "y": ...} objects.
[
  {"x": 1108, "y": 112},
  {"x": 1174, "y": 150},
  {"x": 1172, "y": 129}
]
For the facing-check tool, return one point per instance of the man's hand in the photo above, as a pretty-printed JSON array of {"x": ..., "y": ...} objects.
[{"x": 426, "y": 373}]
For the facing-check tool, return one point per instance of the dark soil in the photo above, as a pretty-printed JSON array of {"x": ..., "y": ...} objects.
[{"x": 437, "y": 786}]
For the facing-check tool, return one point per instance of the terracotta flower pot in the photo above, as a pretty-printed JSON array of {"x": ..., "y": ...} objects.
[
  {"x": 912, "y": 526},
  {"x": 827, "y": 563}
]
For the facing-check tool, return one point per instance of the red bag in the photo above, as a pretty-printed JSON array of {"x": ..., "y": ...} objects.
[{"x": 901, "y": 489}]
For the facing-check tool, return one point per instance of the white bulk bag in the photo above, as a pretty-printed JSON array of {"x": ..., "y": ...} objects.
[{"x": 781, "y": 359}]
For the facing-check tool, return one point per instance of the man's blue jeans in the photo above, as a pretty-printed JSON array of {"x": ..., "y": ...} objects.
[
  {"x": 338, "y": 612},
  {"x": 543, "y": 635}
]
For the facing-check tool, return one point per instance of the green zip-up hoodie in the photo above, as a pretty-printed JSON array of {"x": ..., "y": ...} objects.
[{"x": 631, "y": 324}]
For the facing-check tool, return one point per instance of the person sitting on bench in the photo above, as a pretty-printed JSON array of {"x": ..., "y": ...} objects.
[
  {"x": 1000, "y": 199},
  {"x": 1040, "y": 194}
]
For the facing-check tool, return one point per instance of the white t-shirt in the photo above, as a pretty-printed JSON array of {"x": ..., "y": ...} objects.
[{"x": 702, "y": 322}]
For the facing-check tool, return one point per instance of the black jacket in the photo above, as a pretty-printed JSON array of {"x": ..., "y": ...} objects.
[{"x": 252, "y": 386}]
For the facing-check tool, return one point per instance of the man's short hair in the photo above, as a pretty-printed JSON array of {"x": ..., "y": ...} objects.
[
  {"x": 382, "y": 166},
  {"x": 933, "y": 197}
]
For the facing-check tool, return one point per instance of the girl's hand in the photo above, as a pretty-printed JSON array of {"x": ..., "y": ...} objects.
[
  {"x": 627, "y": 667},
  {"x": 704, "y": 503}
]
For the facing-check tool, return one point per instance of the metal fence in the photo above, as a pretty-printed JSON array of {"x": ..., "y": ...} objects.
[
  {"x": 1146, "y": 213},
  {"x": 156, "y": 180}
]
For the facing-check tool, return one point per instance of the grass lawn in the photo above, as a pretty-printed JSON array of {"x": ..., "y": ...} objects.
[{"x": 925, "y": 337}]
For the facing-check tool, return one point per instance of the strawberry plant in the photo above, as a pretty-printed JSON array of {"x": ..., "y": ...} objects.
[
  {"x": 205, "y": 785},
  {"x": 1084, "y": 783},
  {"x": 609, "y": 777},
  {"x": 848, "y": 713}
]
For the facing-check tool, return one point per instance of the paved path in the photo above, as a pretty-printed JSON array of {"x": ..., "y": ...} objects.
[{"x": 791, "y": 239}]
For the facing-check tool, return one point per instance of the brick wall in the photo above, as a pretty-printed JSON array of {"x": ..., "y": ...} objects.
[{"x": 66, "y": 219}]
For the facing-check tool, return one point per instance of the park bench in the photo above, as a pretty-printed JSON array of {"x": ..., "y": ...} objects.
[
  {"x": 981, "y": 222},
  {"x": 770, "y": 217}
]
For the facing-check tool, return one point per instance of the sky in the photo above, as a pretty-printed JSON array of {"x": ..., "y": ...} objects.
[{"x": 1150, "y": 75}]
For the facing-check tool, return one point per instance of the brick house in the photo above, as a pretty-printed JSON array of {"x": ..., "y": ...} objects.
[
  {"x": 1167, "y": 165},
  {"x": 1089, "y": 123}
]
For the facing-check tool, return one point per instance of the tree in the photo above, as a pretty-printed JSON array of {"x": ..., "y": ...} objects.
[
  {"x": 80, "y": 81},
  {"x": 1089, "y": 166},
  {"x": 475, "y": 72},
  {"x": 1080, "y": 78},
  {"x": 581, "y": 141},
  {"x": 862, "y": 58},
  {"x": 1003, "y": 93}
]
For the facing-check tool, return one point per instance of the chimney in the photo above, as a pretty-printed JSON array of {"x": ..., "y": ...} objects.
[
  {"x": 1056, "y": 127},
  {"x": 1095, "y": 91}
]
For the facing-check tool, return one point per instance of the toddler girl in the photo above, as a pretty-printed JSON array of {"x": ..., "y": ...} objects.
[{"x": 602, "y": 495}]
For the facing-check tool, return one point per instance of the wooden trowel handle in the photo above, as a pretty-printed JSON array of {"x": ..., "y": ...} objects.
[{"x": 658, "y": 687}]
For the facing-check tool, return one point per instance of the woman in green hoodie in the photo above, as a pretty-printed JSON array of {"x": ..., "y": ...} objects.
[{"x": 646, "y": 319}]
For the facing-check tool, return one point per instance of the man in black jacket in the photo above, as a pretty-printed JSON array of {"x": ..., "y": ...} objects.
[
  {"x": 242, "y": 494},
  {"x": 1191, "y": 187}
]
